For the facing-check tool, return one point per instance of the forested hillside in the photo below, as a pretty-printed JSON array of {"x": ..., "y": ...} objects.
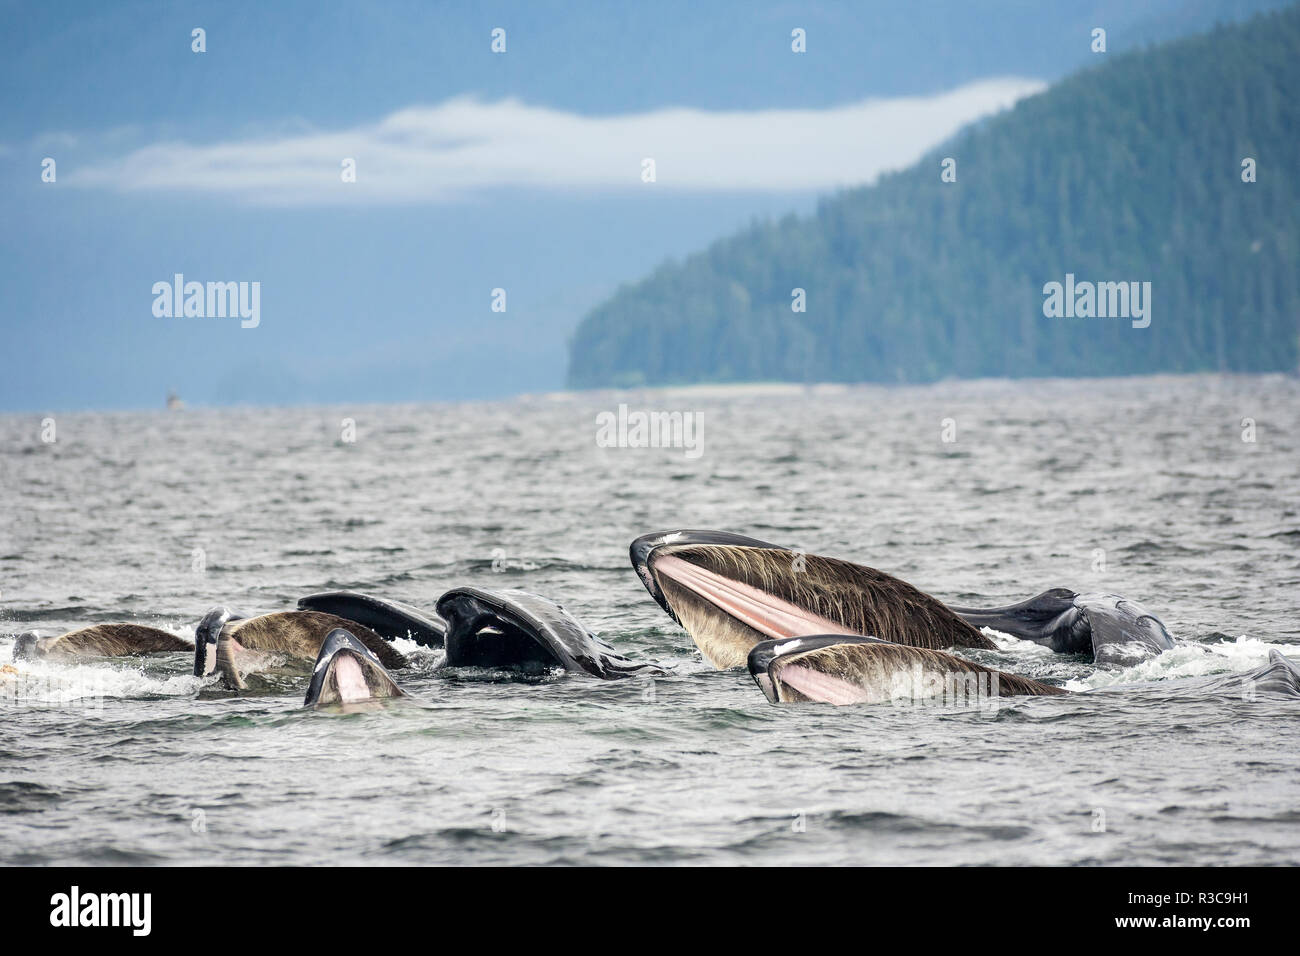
[{"x": 1128, "y": 171}]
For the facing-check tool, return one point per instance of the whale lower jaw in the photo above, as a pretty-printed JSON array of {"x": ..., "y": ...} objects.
[
  {"x": 844, "y": 669},
  {"x": 234, "y": 662},
  {"x": 918, "y": 684}
]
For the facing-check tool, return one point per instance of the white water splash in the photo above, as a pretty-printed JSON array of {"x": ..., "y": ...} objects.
[
  {"x": 1184, "y": 660},
  {"x": 86, "y": 683},
  {"x": 1014, "y": 645},
  {"x": 1190, "y": 660}
]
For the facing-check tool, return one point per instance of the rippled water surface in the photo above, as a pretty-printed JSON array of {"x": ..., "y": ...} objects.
[{"x": 1144, "y": 487}]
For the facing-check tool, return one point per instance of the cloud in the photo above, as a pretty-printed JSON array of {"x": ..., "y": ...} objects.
[{"x": 466, "y": 145}]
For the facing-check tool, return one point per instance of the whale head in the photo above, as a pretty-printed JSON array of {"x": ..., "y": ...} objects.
[
  {"x": 348, "y": 673},
  {"x": 767, "y": 662},
  {"x": 731, "y": 592},
  {"x": 843, "y": 669},
  {"x": 1122, "y": 632},
  {"x": 206, "y": 636},
  {"x": 29, "y": 646},
  {"x": 516, "y": 631}
]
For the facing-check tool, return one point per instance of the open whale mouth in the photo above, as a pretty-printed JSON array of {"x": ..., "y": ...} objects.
[
  {"x": 762, "y": 611},
  {"x": 348, "y": 673},
  {"x": 206, "y": 637},
  {"x": 774, "y": 666},
  {"x": 730, "y": 592},
  {"x": 659, "y": 543},
  {"x": 485, "y": 630},
  {"x": 520, "y": 632}
]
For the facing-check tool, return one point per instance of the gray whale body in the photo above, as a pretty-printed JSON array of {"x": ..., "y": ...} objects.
[
  {"x": 1110, "y": 628},
  {"x": 519, "y": 630}
]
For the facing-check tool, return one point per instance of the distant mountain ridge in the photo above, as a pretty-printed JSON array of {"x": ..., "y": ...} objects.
[{"x": 1131, "y": 171}]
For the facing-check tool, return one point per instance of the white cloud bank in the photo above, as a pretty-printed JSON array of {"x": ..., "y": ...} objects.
[{"x": 464, "y": 145}]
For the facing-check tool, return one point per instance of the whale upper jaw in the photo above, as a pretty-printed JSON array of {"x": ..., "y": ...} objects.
[
  {"x": 643, "y": 549},
  {"x": 388, "y": 618}
]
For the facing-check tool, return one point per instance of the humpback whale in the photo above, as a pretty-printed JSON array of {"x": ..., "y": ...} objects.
[
  {"x": 244, "y": 645},
  {"x": 844, "y": 669},
  {"x": 731, "y": 591},
  {"x": 348, "y": 672},
  {"x": 508, "y": 630},
  {"x": 1113, "y": 629},
  {"x": 1279, "y": 676},
  {"x": 518, "y": 630},
  {"x": 499, "y": 630},
  {"x": 99, "y": 640},
  {"x": 841, "y": 669}
]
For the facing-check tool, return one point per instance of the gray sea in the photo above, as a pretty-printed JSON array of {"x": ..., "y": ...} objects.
[{"x": 1147, "y": 487}]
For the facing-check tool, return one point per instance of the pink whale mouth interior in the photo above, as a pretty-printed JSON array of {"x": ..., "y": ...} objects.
[
  {"x": 820, "y": 687},
  {"x": 350, "y": 680},
  {"x": 765, "y": 613}
]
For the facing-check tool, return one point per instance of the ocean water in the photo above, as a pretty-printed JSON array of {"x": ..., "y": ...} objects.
[{"x": 1141, "y": 486}]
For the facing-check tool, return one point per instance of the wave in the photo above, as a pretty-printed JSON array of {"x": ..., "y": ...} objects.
[
  {"x": 42, "y": 682},
  {"x": 1191, "y": 659}
]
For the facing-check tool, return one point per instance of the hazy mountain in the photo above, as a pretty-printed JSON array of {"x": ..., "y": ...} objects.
[
  {"x": 1127, "y": 172},
  {"x": 389, "y": 302}
]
